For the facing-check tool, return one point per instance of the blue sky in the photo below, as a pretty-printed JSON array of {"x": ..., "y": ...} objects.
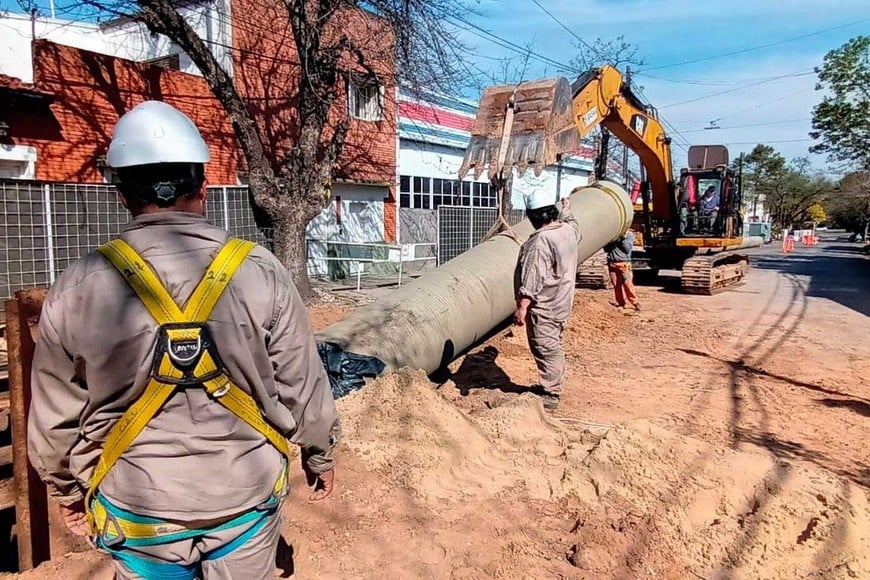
[
  {"x": 669, "y": 32},
  {"x": 754, "y": 107}
]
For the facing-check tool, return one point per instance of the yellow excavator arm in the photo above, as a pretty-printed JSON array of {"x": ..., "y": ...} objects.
[
  {"x": 601, "y": 98},
  {"x": 533, "y": 123}
]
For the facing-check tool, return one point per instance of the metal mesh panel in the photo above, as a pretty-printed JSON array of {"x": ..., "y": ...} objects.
[
  {"x": 82, "y": 218},
  {"x": 45, "y": 227},
  {"x": 462, "y": 228},
  {"x": 241, "y": 221},
  {"x": 215, "y": 207},
  {"x": 23, "y": 253}
]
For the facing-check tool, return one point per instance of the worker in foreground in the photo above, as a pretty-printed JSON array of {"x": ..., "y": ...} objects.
[
  {"x": 172, "y": 367},
  {"x": 619, "y": 265},
  {"x": 544, "y": 287}
]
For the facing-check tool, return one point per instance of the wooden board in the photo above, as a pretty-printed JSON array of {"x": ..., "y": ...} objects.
[
  {"x": 31, "y": 501},
  {"x": 7, "y": 493},
  {"x": 4, "y": 411}
]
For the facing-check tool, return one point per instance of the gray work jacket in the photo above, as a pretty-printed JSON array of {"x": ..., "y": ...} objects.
[{"x": 195, "y": 460}]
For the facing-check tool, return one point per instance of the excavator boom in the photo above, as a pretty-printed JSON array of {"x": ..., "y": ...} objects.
[{"x": 532, "y": 123}]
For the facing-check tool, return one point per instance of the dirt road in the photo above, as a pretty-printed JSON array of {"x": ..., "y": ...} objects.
[{"x": 707, "y": 437}]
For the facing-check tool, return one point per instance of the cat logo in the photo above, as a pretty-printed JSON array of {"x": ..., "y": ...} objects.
[{"x": 638, "y": 124}]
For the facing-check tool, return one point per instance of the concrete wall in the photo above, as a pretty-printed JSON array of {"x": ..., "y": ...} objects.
[{"x": 124, "y": 39}]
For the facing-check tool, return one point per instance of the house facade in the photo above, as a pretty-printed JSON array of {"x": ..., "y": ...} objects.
[
  {"x": 65, "y": 84},
  {"x": 434, "y": 131}
]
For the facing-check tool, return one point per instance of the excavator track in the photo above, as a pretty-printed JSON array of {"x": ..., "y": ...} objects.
[
  {"x": 711, "y": 274},
  {"x": 592, "y": 273}
]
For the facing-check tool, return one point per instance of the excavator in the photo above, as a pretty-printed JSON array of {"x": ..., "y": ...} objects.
[{"x": 693, "y": 223}]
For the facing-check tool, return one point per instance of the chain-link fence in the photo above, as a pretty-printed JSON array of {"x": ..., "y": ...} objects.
[
  {"x": 45, "y": 227},
  {"x": 462, "y": 228}
]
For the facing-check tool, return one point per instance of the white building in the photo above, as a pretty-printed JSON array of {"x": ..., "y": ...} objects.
[
  {"x": 121, "y": 38},
  {"x": 433, "y": 135}
]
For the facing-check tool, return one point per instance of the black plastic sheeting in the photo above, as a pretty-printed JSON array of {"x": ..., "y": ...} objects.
[{"x": 347, "y": 371}]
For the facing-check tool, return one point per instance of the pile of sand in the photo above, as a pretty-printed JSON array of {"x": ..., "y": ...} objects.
[
  {"x": 402, "y": 426},
  {"x": 657, "y": 503},
  {"x": 428, "y": 490}
]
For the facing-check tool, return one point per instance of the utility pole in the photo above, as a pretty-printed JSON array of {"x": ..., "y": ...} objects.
[{"x": 625, "y": 180}]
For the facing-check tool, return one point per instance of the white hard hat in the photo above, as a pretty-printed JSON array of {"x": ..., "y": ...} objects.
[
  {"x": 154, "y": 132},
  {"x": 541, "y": 197}
]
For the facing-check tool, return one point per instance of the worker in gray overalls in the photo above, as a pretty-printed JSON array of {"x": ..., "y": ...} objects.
[
  {"x": 544, "y": 286},
  {"x": 175, "y": 369}
]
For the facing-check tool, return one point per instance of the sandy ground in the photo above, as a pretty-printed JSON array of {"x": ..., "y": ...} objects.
[{"x": 707, "y": 437}]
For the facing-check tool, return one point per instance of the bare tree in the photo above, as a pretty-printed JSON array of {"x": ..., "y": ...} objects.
[
  {"x": 618, "y": 53},
  {"x": 383, "y": 42}
]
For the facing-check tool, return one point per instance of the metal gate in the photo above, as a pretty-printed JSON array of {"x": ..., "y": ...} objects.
[{"x": 462, "y": 228}]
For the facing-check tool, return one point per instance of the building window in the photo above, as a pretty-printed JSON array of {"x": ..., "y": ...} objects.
[
  {"x": 484, "y": 195},
  {"x": 404, "y": 191},
  {"x": 430, "y": 193},
  {"x": 421, "y": 194},
  {"x": 365, "y": 99},
  {"x": 169, "y": 62}
]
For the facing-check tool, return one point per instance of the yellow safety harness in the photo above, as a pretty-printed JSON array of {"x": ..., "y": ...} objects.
[{"x": 185, "y": 356}]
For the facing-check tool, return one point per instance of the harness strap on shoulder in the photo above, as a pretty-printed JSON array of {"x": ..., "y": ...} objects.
[
  {"x": 142, "y": 280},
  {"x": 165, "y": 311},
  {"x": 209, "y": 290},
  {"x": 154, "y": 296}
]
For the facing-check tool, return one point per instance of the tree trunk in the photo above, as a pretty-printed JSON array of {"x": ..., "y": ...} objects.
[{"x": 291, "y": 249}]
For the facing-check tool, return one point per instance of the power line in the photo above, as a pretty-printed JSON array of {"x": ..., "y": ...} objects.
[
  {"x": 740, "y": 88},
  {"x": 770, "y": 102},
  {"x": 703, "y": 82},
  {"x": 569, "y": 30},
  {"x": 750, "y": 125},
  {"x": 505, "y": 43},
  {"x": 699, "y": 82},
  {"x": 805, "y": 140},
  {"x": 758, "y": 47}
]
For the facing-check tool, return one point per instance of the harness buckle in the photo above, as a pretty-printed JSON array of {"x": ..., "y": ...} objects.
[
  {"x": 222, "y": 390},
  {"x": 189, "y": 353},
  {"x": 184, "y": 353},
  {"x": 106, "y": 538}
]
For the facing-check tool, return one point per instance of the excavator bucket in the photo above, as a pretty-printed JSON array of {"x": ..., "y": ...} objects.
[{"x": 529, "y": 123}]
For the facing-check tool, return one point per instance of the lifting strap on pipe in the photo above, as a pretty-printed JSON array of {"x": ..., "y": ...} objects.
[{"x": 500, "y": 183}]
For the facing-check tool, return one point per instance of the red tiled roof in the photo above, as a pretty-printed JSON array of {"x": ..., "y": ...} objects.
[{"x": 15, "y": 84}]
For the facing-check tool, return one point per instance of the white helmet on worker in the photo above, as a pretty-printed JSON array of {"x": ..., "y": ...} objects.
[
  {"x": 154, "y": 132},
  {"x": 158, "y": 153},
  {"x": 540, "y": 198}
]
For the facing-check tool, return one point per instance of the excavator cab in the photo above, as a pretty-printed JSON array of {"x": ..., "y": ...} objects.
[{"x": 709, "y": 195}]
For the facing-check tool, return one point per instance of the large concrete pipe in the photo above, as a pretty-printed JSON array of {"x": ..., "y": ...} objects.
[
  {"x": 427, "y": 323},
  {"x": 748, "y": 243}
]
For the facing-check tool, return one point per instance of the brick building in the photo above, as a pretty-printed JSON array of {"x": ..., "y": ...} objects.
[{"x": 58, "y": 127}]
